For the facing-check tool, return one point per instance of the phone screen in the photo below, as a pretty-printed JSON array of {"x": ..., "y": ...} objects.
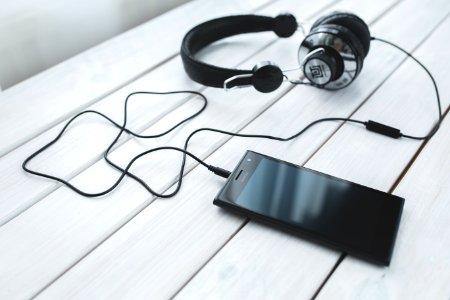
[{"x": 352, "y": 217}]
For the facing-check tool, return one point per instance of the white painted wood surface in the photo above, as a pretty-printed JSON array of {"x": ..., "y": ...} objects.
[
  {"x": 55, "y": 244},
  {"x": 377, "y": 162},
  {"x": 88, "y": 140},
  {"x": 127, "y": 208},
  {"x": 421, "y": 265},
  {"x": 69, "y": 87}
]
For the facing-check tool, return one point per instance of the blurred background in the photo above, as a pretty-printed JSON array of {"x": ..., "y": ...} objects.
[{"x": 35, "y": 35}]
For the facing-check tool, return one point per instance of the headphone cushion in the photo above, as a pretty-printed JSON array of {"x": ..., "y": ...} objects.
[
  {"x": 348, "y": 37},
  {"x": 350, "y": 21}
]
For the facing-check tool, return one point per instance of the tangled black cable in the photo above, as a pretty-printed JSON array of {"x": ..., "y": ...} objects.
[
  {"x": 370, "y": 125},
  {"x": 122, "y": 128}
]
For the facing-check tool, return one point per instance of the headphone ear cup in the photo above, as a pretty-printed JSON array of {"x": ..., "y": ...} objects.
[
  {"x": 346, "y": 45},
  {"x": 348, "y": 37},
  {"x": 267, "y": 77},
  {"x": 351, "y": 22}
]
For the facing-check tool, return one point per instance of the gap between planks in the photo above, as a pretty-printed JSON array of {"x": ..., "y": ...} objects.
[
  {"x": 65, "y": 117},
  {"x": 341, "y": 258},
  {"x": 108, "y": 91},
  {"x": 152, "y": 198},
  {"x": 243, "y": 128},
  {"x": 140, "y": 209},
  {"x": 91, "y": 162},
  {"x": 211, "y": 257},
  {"x": 405, "y": 170},
  {"x": 397, "y": 181}
]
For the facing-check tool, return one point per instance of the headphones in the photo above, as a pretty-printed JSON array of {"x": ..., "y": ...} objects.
[{"x": 331, "y": 55}]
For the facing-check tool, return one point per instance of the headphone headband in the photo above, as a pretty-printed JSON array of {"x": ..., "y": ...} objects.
[{"x": 211, "y": 31}]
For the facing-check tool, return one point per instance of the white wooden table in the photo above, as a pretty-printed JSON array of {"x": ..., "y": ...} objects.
[{"x": 55, "y": 244}]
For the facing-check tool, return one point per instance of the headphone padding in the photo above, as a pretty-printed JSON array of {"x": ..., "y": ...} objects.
[
  {"x": 347, "y": 36},
  {"x": 352, "y": 22}
]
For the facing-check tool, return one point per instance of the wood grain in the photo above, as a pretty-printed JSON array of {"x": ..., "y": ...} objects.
[
  {"x": 90, "y": 136},
  {"x": 78, "y": 82},
  {"x": 352, "y": 154},
  {"x": 171, "y": 250},
  {"x": 127, "y": 245},
  {"x": 129, "y": 199},
  {"x": 421, "y": 265},
  {"x": 85, "y": 142}
]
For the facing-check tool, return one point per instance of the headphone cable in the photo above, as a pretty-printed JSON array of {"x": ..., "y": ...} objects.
[
  {"x": 438, "y": 99},
  {"x": 370, "y": 125}
]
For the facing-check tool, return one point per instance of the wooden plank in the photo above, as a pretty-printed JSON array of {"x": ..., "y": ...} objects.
[
  {"x": 89, "y": 139},
  {"x": 96, "y": 220},
  {"x": 421, "y": 265},
  {"x": 421, "y": 268},
  {"x": 85, "y": 142},
  {"x": 88, "y": 77},
  {"x": 19, "y": 192},
  {"x": 355, "y": 155},
  {"x": 169, "y": 240}
]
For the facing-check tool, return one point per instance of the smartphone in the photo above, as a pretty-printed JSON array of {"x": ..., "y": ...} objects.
[{"x": 350, "y": 217}]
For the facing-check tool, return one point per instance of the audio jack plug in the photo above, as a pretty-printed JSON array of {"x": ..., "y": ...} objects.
[{"x": 219, "y": 171}]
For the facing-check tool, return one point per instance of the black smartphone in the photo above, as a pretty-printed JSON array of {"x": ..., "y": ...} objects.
[{"x": 355, "y": 219}]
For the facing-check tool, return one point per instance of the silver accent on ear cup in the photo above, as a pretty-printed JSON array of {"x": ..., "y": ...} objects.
[
  {"x": 325, "y": 39},
  {"x": 300, "y": 68},
  {"x": 317, "y": 71},
  {"x": 315, "y": 51},
  {"x": 231, "y": 79}
]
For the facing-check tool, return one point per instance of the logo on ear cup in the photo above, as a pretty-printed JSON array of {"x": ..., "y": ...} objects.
[{"x": 316, "y": 71}]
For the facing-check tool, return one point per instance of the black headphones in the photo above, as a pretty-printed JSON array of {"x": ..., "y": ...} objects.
[{"x": 331, "y": 55}]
